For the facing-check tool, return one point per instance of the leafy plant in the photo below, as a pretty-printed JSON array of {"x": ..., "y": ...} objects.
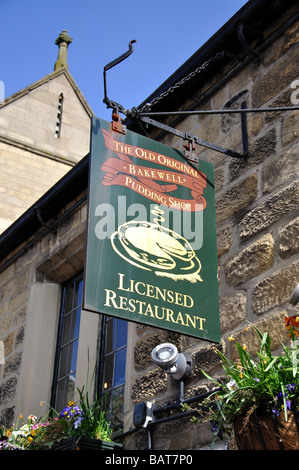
[{"x": 84, "y": 418}]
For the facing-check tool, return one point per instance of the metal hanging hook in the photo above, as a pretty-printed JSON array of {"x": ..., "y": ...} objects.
[{"x": 109, "y": 103}]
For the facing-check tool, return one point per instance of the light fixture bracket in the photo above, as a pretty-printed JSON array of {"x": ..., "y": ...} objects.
[{"x": 178, "y": 365}]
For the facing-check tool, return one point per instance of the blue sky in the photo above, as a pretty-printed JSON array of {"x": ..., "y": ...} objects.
[{"x": 167, "y": 32}]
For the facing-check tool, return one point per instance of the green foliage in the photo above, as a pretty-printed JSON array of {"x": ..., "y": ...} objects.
[
  {"x": 94, "y": 423},
  {"x": 85, "y": 418}
]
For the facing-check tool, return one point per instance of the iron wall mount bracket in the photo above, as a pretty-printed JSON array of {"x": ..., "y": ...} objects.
[
  {"x": 139, "y": 114},
  {"x": 116, "y": 124},
  {"x": 192, "y": 139}
]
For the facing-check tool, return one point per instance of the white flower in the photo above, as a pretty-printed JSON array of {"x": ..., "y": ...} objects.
[
  {"x": 231, "y": 385},
  {"x": 23, "y": 431}
]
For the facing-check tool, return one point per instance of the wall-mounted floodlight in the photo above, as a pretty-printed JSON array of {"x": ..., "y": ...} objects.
[
  {"x": 178, "y": 365},
  {"x": 294, "y": 300}
]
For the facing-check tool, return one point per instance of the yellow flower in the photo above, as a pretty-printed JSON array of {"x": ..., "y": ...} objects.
[
  {"x": 30, "y": 439},
  {"x": 33, "y": 432},
  {"x": 20, "y": 416},
  {"x": 231, "y": 338},
  {"x": 71, "y": 403},
  {"x": 244, "y": 347}
]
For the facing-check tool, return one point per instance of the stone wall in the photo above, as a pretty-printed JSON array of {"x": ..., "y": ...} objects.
[
  {"x": 257, "y": 200},
  {"x": 29, "y": 310}
]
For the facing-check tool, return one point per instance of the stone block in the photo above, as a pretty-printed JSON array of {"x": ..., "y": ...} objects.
[
  {"x": 8, "y": 389},
  {"x": 229, "y": 120},
  {"x": 208, "y": 129},
  {"x": 149, "y": 385},
  {"x": 12, "y": 365},
  {"x": 250, "y": 262},
  {"x": 278, "y": 205},
  {"x": 18, "y": 300},
  {"x": 259, "y": 151},
  {"x": 273, "y": 79},
  {"x": 224, "y": 239},
  {"x": 8, "y": 341},
  {"x": 143, "y": 349},
  {"x": 236, "y": 198},
  {"x": 205, "y": 359},
  {"x": 277, "y": 49},
  {"x": 7, "y": 416},
  {"x": 288, "y": 241},
  {"x": 145, "y": 345},
  {"x": 219, "y": 177},
  {"x": 275, "y": 290},
  {"x": 8, "y": 290},
  {"x": 20, "y": 336},
  {"x": 232, "y": 310},
  {"x": 5, "y": 325},
  {"x": 249, "y": 338},
  {"x": 289, "y": 129},
  {"x": 282, "y": 100},
  {"x": 280, "y": 170}
]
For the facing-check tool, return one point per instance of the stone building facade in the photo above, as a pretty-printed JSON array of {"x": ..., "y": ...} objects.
[
  {"x": 257, "y": 199},
  {"x": 44, "y": 132}
]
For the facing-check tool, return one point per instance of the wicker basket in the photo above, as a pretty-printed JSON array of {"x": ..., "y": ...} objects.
[{"x": 266, "y": 431}]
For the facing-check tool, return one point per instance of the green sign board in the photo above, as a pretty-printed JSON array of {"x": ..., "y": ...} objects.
[{"x": 151, "y": 252}]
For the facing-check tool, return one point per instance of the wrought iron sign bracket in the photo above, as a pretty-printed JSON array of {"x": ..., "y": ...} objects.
[
  {"x": 145, "y": 114},
  {"x": 193, "y": 139},
  {"x": 117, "y": 125}
]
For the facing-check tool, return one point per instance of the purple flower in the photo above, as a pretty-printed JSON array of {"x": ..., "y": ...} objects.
[
  {"x": 215, "y": 429},
  {"x": 71, "y": 412},
  {"x": 78, "y": 422},
  {"x": 291, "y": 387}
]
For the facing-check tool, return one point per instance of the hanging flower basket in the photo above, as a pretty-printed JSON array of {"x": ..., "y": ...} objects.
[
  {"x": 267, "y": 431},
  {"x": 259, "y": 395}
]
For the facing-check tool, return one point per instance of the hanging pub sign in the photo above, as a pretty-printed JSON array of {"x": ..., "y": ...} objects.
[{"x": 151, "y": 253}]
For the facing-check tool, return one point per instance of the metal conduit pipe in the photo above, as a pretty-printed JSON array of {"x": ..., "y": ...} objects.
[{"x": 166, "y": 409}]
